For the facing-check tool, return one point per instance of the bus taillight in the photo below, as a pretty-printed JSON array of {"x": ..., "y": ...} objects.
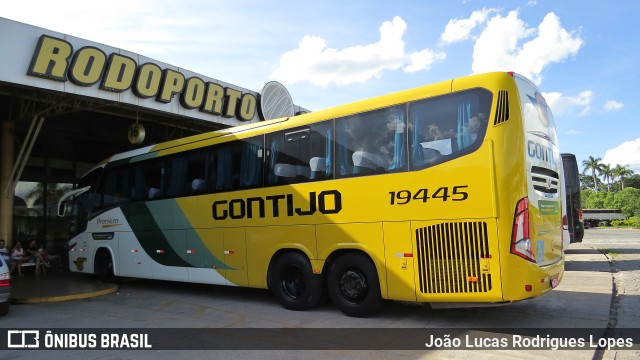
[{"x": 520, "y": 239}]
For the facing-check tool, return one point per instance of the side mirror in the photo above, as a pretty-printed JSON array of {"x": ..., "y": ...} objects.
[
  {"x": 62, "y": 203},
  {"x": 62, "y": 208}
]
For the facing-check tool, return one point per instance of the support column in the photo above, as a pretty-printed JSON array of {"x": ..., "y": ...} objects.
[{"x": 7, "y": 153}]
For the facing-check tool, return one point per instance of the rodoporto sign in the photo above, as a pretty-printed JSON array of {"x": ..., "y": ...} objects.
[{"x": 55, "y": 59}]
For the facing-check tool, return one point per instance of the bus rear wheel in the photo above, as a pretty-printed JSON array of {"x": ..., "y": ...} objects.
[
  {"x": 353, "y": 285},
  {"x": 293, "y": 282}
]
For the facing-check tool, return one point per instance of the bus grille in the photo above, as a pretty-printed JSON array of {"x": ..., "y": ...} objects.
[
  {"x": 449, "y": 258},
  {"x": 502, "y": 109},
  {"x": 544, "y": 180}
]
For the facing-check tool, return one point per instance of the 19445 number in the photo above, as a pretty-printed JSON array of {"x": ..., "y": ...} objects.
[{"x": 455, "y": 193}]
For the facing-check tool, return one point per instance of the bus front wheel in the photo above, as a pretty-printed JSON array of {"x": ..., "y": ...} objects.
[
  {"x": 293, "y": 282},
  {"x": 353, "y": 285}
]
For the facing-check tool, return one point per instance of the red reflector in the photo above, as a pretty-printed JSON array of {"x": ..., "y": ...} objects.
[
  {"x": 528, "y": 288},
  {"x": 408, "y": 255},
  {"x": 5, "y": 282}
]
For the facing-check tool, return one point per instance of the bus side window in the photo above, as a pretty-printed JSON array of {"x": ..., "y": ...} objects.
[
  {"x": 186, "y": 174},
  {"x": 299, "y": 155},
  {"x": 446, "y": 127},
  {"x": 371, "y": 143},
  {"x": 238, "y": 164},
  {"x": 196, "y": 172},
  {"x": 115, "y": 187},
  {"x": 148, "y": 180}
]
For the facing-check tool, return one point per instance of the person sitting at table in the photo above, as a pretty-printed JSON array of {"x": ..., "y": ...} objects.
[
  {"x": 17, "y": 258},
  {"x": 37, "y": 255}
]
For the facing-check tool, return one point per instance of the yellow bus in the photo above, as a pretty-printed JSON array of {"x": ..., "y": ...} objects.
[{"x": 445, "y": 194}]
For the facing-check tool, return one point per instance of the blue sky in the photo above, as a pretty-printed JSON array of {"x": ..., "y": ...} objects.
[{"x": 583, "y": 54}]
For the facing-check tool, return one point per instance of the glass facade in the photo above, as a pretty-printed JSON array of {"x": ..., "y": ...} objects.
[{"x": 35, "y": 215}]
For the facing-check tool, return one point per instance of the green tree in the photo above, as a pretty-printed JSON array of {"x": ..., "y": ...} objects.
[
  {"x": 586, "y": 182},
  {"x": 628, "y": 200},
  {"x": 585, "y": 195},
  {"x": 634, "y": 181},
  {"x": 599, "y": 200},
  {"x": 607, "y": 172},
  {"x": 622, "y": 172},
  {"x": 595, "y": 165}
]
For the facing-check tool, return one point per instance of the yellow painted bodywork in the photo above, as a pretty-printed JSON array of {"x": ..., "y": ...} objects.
[{"x": 494, "y": 178}]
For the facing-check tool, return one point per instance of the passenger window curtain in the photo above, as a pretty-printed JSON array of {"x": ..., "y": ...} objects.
[
  {"x": 224, "y": 168},
  {"x": 250, "y": 165},
  {"x": 178, "y": 176},
  {"x": 343, "y": 162},
  {"x": 140, "y": 184},
  {"x": 329, "y": 154},
  {"x": 464, "y": 117},
  {"x": 399, "y": 144},
  {"x": 274, "y": 151},
  {"x": 417, "y": 152}
]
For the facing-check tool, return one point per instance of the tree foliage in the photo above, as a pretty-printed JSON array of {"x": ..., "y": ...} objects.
[
  {"x": 622, "y": 190},
  {"x": 628, "y": 200}
]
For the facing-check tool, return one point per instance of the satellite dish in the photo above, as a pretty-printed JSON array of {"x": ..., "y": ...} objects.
[{"x": 275, "y": 101}]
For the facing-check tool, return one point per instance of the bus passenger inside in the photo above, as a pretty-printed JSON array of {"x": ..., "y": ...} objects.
[
  {"x": 442, "y": 129},
  {"x": 373, "y": 143}
]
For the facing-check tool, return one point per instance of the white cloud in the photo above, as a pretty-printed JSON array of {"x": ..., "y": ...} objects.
[
  {"x": 628, "y": 153},
  {"x": 612, "y": 105},
  {"x": 315, "y": 62},
  {"x": 563, "y": 105},
  {"x": 144, "y": 26},
  {"x": 573, "y": 132},
  {"x": 460, "y": 29},
  {"x": 423, "y": 59},
  {"x": 502, "y": 46}
]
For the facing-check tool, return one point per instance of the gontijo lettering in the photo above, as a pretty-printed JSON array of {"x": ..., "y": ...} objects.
[
  {"x": 326, "y": 202},
  {"x": 541, "y": 152},
  {"x": 55, "y": 59}
]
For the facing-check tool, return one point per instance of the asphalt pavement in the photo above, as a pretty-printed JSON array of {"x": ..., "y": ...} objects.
[{"x": 583, "y": 300}]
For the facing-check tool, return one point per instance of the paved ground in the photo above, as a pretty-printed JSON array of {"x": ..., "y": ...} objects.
[
  {"x": 593, "y": 278},
  {"x": 622, "y": 248}
]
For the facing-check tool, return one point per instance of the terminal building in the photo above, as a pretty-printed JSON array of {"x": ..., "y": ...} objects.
[{"x": 67, "y": 103}]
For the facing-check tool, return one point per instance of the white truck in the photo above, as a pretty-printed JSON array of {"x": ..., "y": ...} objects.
[{"x": 592, "y": 217}]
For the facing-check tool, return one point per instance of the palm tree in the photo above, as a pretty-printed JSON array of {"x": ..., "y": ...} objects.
[
  {"x": 595, "y": 166},
  {"x": 607, "y": 172},
  {"x": 622, "y": 172}
]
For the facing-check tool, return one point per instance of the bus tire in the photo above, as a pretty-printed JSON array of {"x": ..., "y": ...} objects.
[
  {"x": 293, "y": 283},
  {"x": 353, "y": 285}
]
